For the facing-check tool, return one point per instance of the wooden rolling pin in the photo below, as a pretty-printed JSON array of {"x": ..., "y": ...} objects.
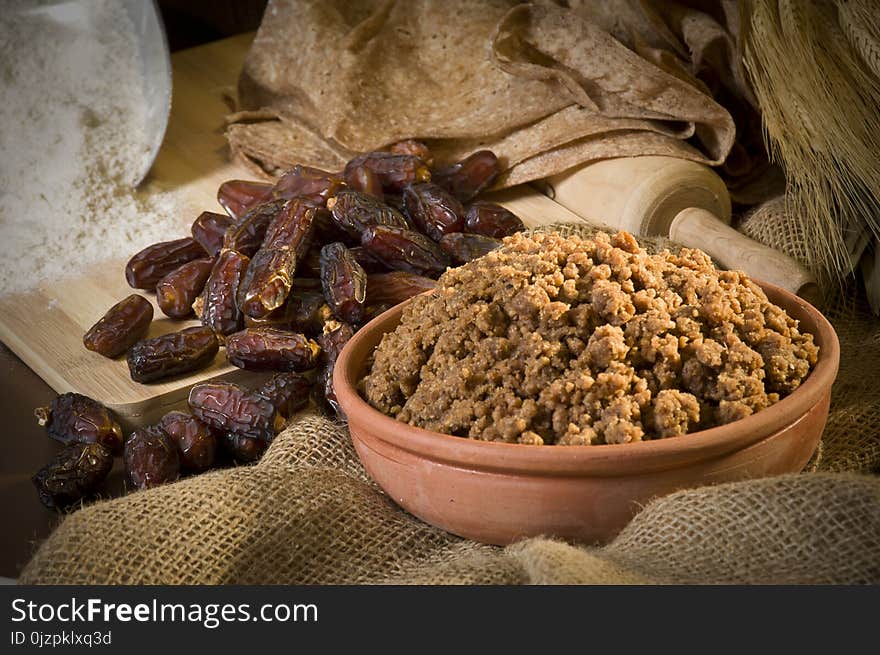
[{"x": 684, "y": 200}]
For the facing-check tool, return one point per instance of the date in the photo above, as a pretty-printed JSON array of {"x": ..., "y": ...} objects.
[
  {"x": 270, "y": 349},
  {"x": 433, "y": 210},
  {"x": 219, "y": 304},
  {"x": 196, "y": 443},
  {"x": 74, "y": 418},
  {"x": 189, "y": 350},
  {"x": 354, "y": 211},
  {"x": 247, "y": 233},
  {"x": 414, "y": 148},
  {"x": 361, "y": 178},
  {"x": 307, "y": 311},
  {"x": 177, "y": 291},
  {"x": 238, "y": 197},
  {"x": 288, "y": 392},
  {"x": 150, "y": 458},
  {"x": 344, "y": 283},
  {"x": 405, "y": 250},
  {"x": 231, "y": 408},
  {"x": 121, "y": 327},
  {"x": 394, "y": 171},
  {"x": 305, "y": 181},
  {"x": 269, "y": 277},
  {"x": 464, "y": 247},
  {"x": 369, "y": 263},
  {"x": 491, "y": 220},
  {"x": 333, "y": 340},
  {"x": 73, "y": 474},
  {"x": 395, "y": 287},
  {"x": 242, "y": 448},
  {"x": 470, "y": 176},
  {"x": 209, "y": 229},
  {"x": 154, "y": 262}
]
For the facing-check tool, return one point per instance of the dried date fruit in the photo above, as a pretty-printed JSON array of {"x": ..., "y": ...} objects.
[
  {"x": 154, "y": 262},
  {"x": 172, "y": 354},
  {"x": 196, "y": 442},
  {"x": 74, "y": 418},
  {"x": 230, "y": 408},
  {"x": 344, "y": 283},
  {"x": 304, "y": 181},
  {"x": 288, "y": 392},
  {"x": 333, "y": 340},
  {"x": 394, "y": 171},
  {"x": 405, "y": 250},
  {"x": 369, "y": 263},
  {"x": 220, "y": 310},
  {"x": 269, "y": 277},
  {"x": 433, "y": 210},
  {"x": 393, "y": 288},
  {"x": 270, "y": 349},
  {"x": 470, "y": 176},
  {"x": 209, "y": 230},
  {"x": 464, "y": 247},
  {"x": 177, "y": 291},
  {"x": 415, "y": 148},
  {"x": 307, "y": 311},
  {"x": 150, "y": 458},
  {"x": 361, "y": 178},
  {"x": 395, "y": 201},
  {"x": 247, "y": 233},
  {"x": 325, "y": 391},
  {"x": 238, "y": 197},
  {"x": 491, "y": 220},
  {"x": 73, "y": 474},
  {"x": 121, "y": 327},
  {"x": 242, "y": 448},
  {"x": 354, "y": 212}
]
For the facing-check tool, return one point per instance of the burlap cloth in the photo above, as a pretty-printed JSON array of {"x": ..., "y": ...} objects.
[{"x": 307, "y": 513}]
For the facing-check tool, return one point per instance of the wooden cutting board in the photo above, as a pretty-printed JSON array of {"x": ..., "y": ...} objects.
[{"x": 45, "y": 327}]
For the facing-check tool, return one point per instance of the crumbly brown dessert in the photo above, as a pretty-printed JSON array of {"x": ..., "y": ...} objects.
[{"x": 570, "y": 341}]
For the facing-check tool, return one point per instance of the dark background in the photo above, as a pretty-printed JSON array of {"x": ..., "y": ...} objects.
[{"x": 193, "y": 22}]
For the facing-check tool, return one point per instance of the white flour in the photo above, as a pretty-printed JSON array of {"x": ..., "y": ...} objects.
[{"x": 71, "y": 142}]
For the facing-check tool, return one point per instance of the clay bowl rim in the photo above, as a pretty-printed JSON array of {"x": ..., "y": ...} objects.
[{"x": 604, "y": 459}]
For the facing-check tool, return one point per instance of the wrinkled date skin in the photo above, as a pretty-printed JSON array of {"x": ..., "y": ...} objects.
[
  {"x": 354, "y": 211},
  {"x": 333, "y": 340},
  {"x": 121, "y": 327},
  {"x": 405, "y": 250},
  {"x": 270, "y": 349},
  {"x": 242, "y": 448},
  {"x": 394, "y": 171},
  {"x": 238, "y": 197},
  {"x": 393, "y": 288},
  {"x": 464, "y": 247},
  {"x": 414, "y": 148},
  {"x": 154, "y": 262},
  {"x": 332, "y": 343},
  {"x": 196, "y": 442},
  {"x": 247, "y": 233},
  {"x": 361, "y": 178},
  {"x": 269, "y": 276},
  {"x": 150, "y": 458},
  {"x": 74, "y": 418},
  {"x": 172, "y": 354},
  {"x": 177, "y": 291},
  {"x": 468, "y": 177},
  {"x": 344, "y": 282},
  {"x": 304, "y": 181},
  {"x": 209, "y": 229},
  {"x": 433, "y": 210},
  {"x": 230, "y": 408},
  {"x": 220, "y": 310},
  {"x": 73, "y": 474},
  {"x": 288, "y": 392},
  {"x": 491, "y": 220}
]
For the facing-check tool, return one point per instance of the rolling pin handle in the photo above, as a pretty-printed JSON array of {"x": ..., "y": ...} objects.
[{"x": 697, "y": 228}]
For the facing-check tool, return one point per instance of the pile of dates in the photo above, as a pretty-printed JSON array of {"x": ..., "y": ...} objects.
[{"x": 281, "y": 281}]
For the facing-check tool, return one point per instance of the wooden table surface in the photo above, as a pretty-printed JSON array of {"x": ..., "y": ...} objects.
[{"x": 194, "y": 160}]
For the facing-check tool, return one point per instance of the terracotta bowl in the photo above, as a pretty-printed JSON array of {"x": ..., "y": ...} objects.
[{"x": 497, "y": 493}]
